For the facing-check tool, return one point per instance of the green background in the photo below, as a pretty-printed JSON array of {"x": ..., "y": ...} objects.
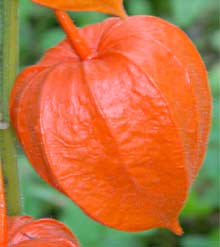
[{"x": 200, "y": 217}]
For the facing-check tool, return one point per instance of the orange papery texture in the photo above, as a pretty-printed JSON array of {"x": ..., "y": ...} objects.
[
  {"x": 114, "y": 7},
  {"x": 24, "y": 231},
  {"x": 124, "y": 132},
  {"x": 3, "y": 212}
]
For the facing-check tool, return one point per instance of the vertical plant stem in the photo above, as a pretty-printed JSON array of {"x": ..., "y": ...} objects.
[{"x": 8, "y": 69}]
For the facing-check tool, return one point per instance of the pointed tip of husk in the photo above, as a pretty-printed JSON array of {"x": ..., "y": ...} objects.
[
  {"x": 122, "y": 13},
  {"x": 176, "y": 228}
]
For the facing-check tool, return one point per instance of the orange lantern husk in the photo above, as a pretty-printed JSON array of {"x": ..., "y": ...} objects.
[
  {"x": 24, "y": 231},
  {"x": 114, "y": 7},
  {"x": 3, "y": 212},
  {"x": 123, "y": 131}
]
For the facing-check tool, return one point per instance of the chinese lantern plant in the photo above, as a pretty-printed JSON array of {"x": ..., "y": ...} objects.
[
  {"x": 117, "y": 117},
  {"x": 24, "y": 231}
]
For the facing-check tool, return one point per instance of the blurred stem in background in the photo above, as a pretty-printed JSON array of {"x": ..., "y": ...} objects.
[{"x": 8, "y": 69}]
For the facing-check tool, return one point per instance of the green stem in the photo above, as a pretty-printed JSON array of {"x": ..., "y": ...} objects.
[{"x": 8, "y": 69}]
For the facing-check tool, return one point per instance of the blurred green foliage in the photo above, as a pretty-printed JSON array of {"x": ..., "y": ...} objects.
[{"x": 200, "y": 217}]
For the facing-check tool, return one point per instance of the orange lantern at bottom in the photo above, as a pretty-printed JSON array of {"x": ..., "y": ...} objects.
[
  {"x": 24, "y": 231},
  {"x": 117, "y": 117}
]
